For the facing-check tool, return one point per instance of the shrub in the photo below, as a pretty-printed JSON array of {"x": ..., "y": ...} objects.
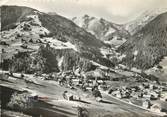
[{"x": 20, "y": 102}]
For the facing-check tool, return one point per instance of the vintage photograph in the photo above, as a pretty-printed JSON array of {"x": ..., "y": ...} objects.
[{"x": 83, "y": 58}]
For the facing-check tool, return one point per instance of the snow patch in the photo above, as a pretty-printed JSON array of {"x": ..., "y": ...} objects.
[
  {"x": 136, "y": 70},
  {"x": 93, "y": 23},
  {"x": 59, "y": 44},
  {"x": 70, "y": 45},
  {"x": 35, "y": 18},
  {"x": 60, "y": 61},
  {"x": 39, "y": 28},
  {"x": 35, "y": 30},
  {"x": 97, "y": 64},
  {"x": 115, "y": 41},
  {"x": 110, "y": 31},
  {"x": 121, "y": 57},
  {"x": 135, "y": 53},
  {"x": 38, "y": 12},
  {"x": 79, "y": 21},
  {"x": 105, "y": 51}
]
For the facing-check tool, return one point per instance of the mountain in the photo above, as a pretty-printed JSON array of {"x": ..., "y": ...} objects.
[
  {"x": 52, "y": 13},
  {"x": 148, "y": 46},
  {"x": 137, "y": 24},
  {"x": 159, "y": 70},
  {"x": 104, "y": 30},
  {"x": 57, "y": 25},
  {"x": 26, "y": 30}
]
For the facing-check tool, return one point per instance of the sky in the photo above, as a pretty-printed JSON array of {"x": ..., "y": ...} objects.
[{"x": 118, "y": 11}]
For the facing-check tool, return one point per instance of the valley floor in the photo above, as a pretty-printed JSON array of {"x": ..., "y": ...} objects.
[{"x": 55, "y": 105}]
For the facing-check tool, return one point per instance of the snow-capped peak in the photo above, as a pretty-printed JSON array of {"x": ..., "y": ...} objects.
[
  {"x": 101, "y": 28},
  {"x": 143, "y": 19}
]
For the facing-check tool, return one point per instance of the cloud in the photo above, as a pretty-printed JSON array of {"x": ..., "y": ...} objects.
[
  {"x": 2, "y": 2},
  {"x": 117, "y": 10}
]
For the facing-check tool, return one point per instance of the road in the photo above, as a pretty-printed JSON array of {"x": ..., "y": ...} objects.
[
  {"x": 68, "y": 108},
  {"x": 128, "y": 106}
]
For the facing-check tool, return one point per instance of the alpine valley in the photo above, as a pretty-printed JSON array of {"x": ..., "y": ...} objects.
[{"x": 82, "y": 67}]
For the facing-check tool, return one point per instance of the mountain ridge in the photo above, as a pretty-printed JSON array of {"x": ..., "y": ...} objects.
[
  {"x": 31, "y": 28},
  {"x": 102, "y": 29},
  {"x": 148, "y": 46},
  {"x": 146, "y": 17}
]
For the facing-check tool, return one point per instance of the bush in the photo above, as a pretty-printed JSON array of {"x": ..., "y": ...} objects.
[
  {"x": 82, "y": 112},
  {"x": 97, "y": 93},
  {"x": 20, "y": 102}
]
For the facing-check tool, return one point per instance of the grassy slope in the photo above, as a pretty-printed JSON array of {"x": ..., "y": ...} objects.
[{"x": 61, "y": 28}]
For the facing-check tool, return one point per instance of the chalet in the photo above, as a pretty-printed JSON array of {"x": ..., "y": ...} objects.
[
  {"x": 146, "y": 104},
  {"x": 76, "y": 81}
]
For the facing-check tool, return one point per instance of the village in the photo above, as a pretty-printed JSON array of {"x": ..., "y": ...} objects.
[{"x": 141, "y": 92}]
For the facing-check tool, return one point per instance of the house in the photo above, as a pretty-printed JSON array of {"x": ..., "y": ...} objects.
[
  {"x": 154, "y": 95},
  {"x": 75, "y": 81},
  {"x": 146, "y": 104},
  {"x": 147, "y": 96},
  {"x": 67, "y": 95},
  {"x": 117, "y": 94},
  {"x": 89, "y": 88}
]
